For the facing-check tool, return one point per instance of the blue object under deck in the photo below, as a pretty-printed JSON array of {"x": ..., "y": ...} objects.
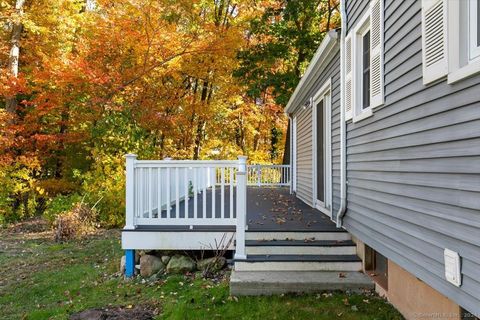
[{"x": 129, "y": 263}]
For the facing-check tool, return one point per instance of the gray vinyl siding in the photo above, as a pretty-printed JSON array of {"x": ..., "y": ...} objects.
[
  {"x": 304, "y": 155},
  {"x": 304, "y": 150},
  {"x": 413, "y": 168}
]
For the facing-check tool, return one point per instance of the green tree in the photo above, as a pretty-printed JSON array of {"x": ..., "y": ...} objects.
[{"x": 281, "y": 43}]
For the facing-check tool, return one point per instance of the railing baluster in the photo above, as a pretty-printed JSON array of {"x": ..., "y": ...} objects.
[
  {"x": 206, "y": 172},
  {"x": 259, "y": 175},
  {"x": 137, "y": 192},
  {"x": 213, "y": 193},
  {"x": 231, "y": 193},
  {"x": 142, "y": 194},
  {"x": 195, "y": 193},
  {"x": 150, "y": 194},
  {"x": 186, "y": 197},
  {"x": 177, "y": 192},
  {"x": 159, "y": 193},
  {"x": 222, "y": 193},
  {"x": 168, "y": 193}
]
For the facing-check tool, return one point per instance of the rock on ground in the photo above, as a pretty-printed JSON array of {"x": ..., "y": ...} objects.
[
  {"x": 149, "y": 265},
  {"x": 165, "y": 259},
  {"x": 213, "y": 264},
  {"x": 180, "y": 264}
]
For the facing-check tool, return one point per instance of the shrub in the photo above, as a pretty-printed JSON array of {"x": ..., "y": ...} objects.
[
  {"x": 59, "y": 205},
  {"x": 106, "y": 180},
  {"x": 75, "y": 223}
]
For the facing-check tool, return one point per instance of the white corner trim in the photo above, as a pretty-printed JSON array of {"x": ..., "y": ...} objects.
[
  {"x": 367, "y": 113},
  {"x": 308, "y": 79}
]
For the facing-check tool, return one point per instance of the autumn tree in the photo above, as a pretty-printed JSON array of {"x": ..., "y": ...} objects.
[{"x": 98, "y": 79}]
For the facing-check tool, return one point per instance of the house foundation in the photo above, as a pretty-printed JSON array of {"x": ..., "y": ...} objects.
[{"x": 415, "y": 299}]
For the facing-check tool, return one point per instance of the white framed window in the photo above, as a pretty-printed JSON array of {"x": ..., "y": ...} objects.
[
  {"x": 450, "y": 39},
  {"x": 365, "y": 69},
  {"x": 364, "y": 64},
  {"x": 473, "y": 29}
]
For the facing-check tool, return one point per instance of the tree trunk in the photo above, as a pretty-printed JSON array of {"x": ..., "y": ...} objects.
[
  {"x": 205, "y": 96},
  {"x": 11, "y": 102}
]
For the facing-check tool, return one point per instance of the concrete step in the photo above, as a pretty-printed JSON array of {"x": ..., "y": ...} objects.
[
  {"x": 278, "y": 282},
  {"x": 283, "y": 262},
  {"x": 338, "y": 234},
  {"x": 300, "y": 247}
]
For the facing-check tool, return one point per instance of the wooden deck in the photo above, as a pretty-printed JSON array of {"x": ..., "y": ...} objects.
[{"x": 270, "y": 209}]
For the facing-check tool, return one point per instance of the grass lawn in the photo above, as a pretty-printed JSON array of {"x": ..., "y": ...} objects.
[{"x": 42, "y": 279}]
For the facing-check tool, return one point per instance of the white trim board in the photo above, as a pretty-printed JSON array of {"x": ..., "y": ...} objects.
[
  {"x": 181, "y": 240},
  {"x": 325, "y": 94}
]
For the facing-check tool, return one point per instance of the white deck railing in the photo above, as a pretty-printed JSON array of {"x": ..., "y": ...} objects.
[
  {"x": 268, "y": 175},
  {"x": 182, "y": 192},
  {"x": 193, "y": 193}
]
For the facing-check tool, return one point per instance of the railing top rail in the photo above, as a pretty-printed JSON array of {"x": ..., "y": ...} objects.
[
  {"x": 270, "y": 165},
  {"x": 186, "y": 163}
]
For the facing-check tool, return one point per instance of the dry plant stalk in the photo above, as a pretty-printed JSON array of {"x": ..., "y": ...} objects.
[
  {"x": 76, "y": 223},
  {"x": 219, "y": 250}
]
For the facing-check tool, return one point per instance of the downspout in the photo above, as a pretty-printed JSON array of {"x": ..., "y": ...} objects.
[
  {"x": 343, "y": 126},
  {"x": 290, "y": 123}
]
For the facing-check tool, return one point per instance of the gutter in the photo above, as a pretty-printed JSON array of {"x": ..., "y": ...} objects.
[{"x": 343, "y": 125}]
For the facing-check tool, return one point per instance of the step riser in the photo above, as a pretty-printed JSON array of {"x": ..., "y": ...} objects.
[
  {"x": 268, "y": 283},
  {"x": 307, "y": 250},
  {"x": 278, "y": 282},
  {"x": 297, "y": 266},
  {"x": 339, "y": 236},
  {"x": 274, "y": 289}
]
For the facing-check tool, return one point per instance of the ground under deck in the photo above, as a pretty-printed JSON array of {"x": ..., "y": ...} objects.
[{"x": 268, "y": 209}]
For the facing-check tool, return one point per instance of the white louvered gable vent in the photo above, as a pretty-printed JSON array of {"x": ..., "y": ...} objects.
[
  {"x": 434, "y": 40},
  {"x": 376, "y": 55},
  {"x": 348, "y": 77}
]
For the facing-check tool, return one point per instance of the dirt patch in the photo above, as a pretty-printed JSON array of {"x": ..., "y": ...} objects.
[
  {"x": 115, "y": 313},
  {"x": 35, "y": 225}
]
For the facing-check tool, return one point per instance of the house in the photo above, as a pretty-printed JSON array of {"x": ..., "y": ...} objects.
[
  {"x": 384, "y": 175},
  {"x": 386, "y": 141}
]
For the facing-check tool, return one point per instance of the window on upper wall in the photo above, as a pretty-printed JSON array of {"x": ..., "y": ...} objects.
[
  {"x": 363, "y": 53},
  {"x": 474, "y": 29},
  {"x": 366, "y": 70},
  {"x": 450, "y": 39}
]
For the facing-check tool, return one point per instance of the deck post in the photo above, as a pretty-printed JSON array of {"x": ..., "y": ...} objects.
[
  {"x": 130, "y": 191},
  {"x": 241, "y": 208},
  {"x": 129, "y": 263}
]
